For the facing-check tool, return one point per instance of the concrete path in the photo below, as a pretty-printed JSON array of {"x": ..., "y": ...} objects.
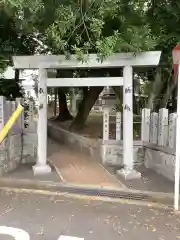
[
  {"x": 149, "y": 181},
  {"x": 76, "y": 168},
  {"x": 52, "y": 218}
]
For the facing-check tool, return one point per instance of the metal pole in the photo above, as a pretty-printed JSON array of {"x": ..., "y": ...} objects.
[{"x": 177, "y": 164}]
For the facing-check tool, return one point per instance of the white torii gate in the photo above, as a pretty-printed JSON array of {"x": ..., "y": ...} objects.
[{"x": 119, "y": 60}]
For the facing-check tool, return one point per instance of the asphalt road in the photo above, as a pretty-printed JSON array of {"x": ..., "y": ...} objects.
[{"x": 48, "y": 218}]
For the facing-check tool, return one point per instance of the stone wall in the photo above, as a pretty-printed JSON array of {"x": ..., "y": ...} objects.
[
  {"x": 112, "y": 153},
  {"x": 21, "y": 143},
  {"x": 160, "y": 159},
  {"x": 29, "y": 147},
  {"x": 16, "y": 149},
  {"x": 11, "y": 153}
]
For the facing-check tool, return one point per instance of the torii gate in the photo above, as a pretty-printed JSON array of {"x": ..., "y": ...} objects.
[{"x": 120, "y": 60}]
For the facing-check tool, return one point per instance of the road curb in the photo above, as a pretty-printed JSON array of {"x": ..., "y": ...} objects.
[{"x": 91, "y": 191}]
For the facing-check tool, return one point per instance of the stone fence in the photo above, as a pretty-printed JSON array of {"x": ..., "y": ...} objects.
[
  {"x": 155, "y": 148},
  {"x": 158, "y": 134},
  {"x": 159, "y": 128},
  {"x": 21, "y": 142},
  {"x": 112, "y": 149}
]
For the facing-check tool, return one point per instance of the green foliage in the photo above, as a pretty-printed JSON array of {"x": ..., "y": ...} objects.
[
  {"x": 85, "y": 26},
  {"x": 105, "y": 27},
  {"x": 89, "y": 26},
  {"x": 101, "y": 26},
  {"x": 12, "y": 38},
  {"x": 164, "y": 19},
  {"x": 12, "y": 41}
]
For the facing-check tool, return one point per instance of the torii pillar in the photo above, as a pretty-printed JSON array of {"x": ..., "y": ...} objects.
[
  {"x": 41, "y": 166},
  {"x": 128, "y": 172}
]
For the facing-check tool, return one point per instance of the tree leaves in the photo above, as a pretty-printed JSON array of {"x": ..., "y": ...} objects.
[{"x": 104, "y": 27}]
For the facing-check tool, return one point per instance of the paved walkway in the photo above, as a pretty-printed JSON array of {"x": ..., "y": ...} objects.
[
  {"x": 24, "y": 171},
  {"x": 77, "y": 168},
  {"x": 149, "y": 181}
]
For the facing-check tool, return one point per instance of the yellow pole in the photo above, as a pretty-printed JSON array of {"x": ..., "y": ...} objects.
[{"x": 12, "y": 120}]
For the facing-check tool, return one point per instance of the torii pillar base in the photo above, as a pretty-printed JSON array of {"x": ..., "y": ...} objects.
[
  {"x": 41, "y": 169},
  {"x": 128, "y": 174}
]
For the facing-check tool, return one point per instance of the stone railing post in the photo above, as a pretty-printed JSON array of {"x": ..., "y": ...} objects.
[
  {"x": 163, "y": 127},
  {"x": 105, "y": 123},
  {"x": 13, "y": 108},
  {"x": 2, "y": 111},
  {"x": 9, "y": 111},
  {"x": 153, "y": 128},
  {"x": 31, "y": 115},
  {"x": 172, "y": 130},
  {"x": 118, "y": 125},
  {"x": 20, "y": 121},
  {"x": 145, "y": 125}
]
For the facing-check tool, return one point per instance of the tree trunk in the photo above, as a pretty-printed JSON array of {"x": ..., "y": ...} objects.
[
  {"x": 64, "y": 114},
  {"x": 85, "y": 107},
  {"x": 156, "y": 90},
  {"x": 167, "y": 95}
]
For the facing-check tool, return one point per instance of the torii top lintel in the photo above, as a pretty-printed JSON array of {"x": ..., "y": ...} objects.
[{"x": 150, "y": 58}]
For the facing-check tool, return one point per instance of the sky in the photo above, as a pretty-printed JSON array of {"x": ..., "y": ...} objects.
[{"x": 26, "y": 75}]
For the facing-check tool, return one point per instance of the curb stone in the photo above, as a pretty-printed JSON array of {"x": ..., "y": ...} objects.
[{"x": 91, "y": 191}]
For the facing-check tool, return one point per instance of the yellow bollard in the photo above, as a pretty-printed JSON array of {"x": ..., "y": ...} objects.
[{"x": 12, "y": 120}]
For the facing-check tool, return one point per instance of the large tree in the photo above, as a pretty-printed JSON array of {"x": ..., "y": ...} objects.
[
  {"x": 83, "y": 27},
  {"x": 102, "y": 27},
  {"x": 164, "y": 20}
]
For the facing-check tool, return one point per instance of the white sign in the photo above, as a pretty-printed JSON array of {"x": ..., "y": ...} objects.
[{"x": 19, "y": 234}]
